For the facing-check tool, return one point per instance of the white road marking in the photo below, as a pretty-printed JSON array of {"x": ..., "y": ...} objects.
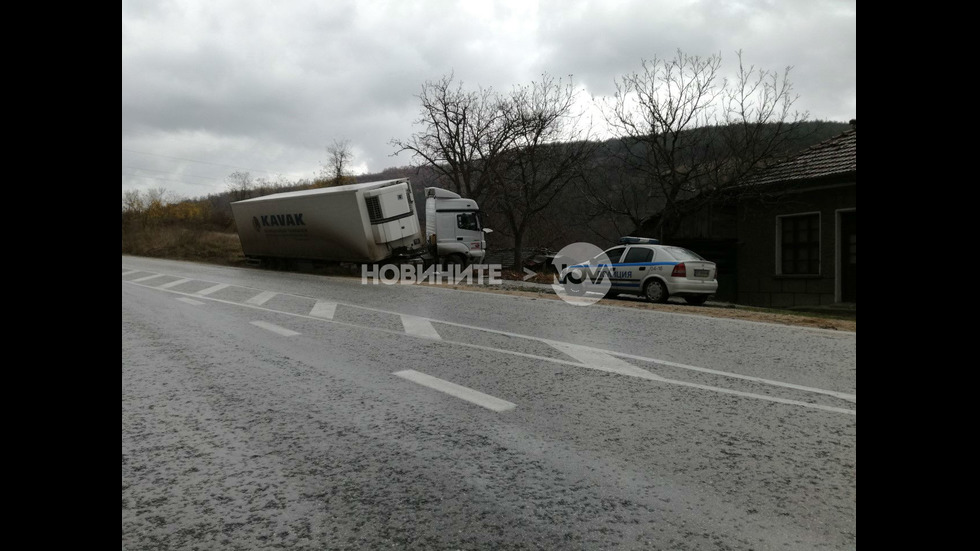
[
  {"x": 463, "y": 393},
  {"x": 147, "y": 278},
  {"x": 324, "y": 309},
  {"x": 190, "y": 301},
  {"x": 173, "y": 283},
  {"x": 128, "y": 272},
  {"x": 261, "y": 298},
  {"x": 597, "y": 359},
  {"x": 420, "y": 327},
  {"x": 842, "y": 395},
  {"x": 212, "y": 289},
  {"x": 642, "y": 374},
  {"x": 770, "y": 382},
  {"x": 275, "y": 328},
  {"x": 603, "y": 356}
]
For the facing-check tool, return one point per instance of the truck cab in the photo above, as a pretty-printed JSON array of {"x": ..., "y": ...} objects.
[{"x": 454, "y": 227}]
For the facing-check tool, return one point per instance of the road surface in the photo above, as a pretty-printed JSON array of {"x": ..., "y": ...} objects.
[{"x": 266, "y": 410}]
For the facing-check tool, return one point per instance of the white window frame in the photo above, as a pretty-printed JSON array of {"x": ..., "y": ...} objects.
[{"x": 837, "y": 250}]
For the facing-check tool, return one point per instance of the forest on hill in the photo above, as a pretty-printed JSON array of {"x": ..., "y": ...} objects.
[{"x": 576, "y": 213}]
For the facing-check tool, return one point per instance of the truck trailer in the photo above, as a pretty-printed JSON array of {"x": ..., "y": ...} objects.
[{"x": 362, "y": 223}]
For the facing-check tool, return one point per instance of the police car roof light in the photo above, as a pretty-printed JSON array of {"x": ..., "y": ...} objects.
[{"x": 638, "y": 241}]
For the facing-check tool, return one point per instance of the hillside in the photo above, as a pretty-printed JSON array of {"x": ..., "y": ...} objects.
[{"x": 572, "y": 216}]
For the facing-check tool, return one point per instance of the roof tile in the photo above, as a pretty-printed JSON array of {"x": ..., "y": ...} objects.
[{"x": 838, "y": 155}]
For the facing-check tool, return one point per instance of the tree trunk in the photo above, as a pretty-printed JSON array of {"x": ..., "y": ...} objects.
[{"x": 519, "y": 250}]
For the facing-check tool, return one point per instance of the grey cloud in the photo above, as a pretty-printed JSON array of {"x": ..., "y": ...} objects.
[{"x": 267, "y": 86}]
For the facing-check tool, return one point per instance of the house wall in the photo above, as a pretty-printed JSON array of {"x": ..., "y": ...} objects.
[
  {"x": 759, "y": 282},
  {"x": 710, "y": 231},
  {"x": 711, "y": 221}
]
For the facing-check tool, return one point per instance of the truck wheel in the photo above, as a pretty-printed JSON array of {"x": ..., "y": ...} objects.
[{"x": 456, "y": 260}]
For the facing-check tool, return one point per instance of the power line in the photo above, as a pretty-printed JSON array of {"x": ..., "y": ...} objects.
[
  {"x": 163, "y": 179},
  {"x": 202, "y": 162},
  {"x": 167, "y": 172}
]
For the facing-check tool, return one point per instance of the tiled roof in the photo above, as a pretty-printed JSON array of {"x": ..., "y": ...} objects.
[{"x": 835, "y": 156}]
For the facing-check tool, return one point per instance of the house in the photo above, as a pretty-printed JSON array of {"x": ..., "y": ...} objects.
[
  {"x": 786, "y": 237},
  {"x": 797, "y": 229}
]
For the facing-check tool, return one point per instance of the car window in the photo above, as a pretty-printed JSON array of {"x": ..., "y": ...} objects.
[
  {"x": 614, "y": 254},
  {"x": 638, "y": 254},
  {"x": 683, "y": 254}
]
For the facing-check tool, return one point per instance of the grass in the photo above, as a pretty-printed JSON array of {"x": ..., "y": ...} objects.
[{"x": 185, "y": 244}]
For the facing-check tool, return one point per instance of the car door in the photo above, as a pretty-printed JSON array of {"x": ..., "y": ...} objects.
[
  {"x": 628, "y": 274},
  {"x": 604, "y": 269}
]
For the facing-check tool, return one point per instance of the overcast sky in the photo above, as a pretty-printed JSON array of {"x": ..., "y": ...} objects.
[{"x": 210, "y": 88}]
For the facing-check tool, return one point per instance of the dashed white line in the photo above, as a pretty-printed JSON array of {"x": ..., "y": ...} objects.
[
  {"x": 147, "y": 278},
  {"x": 585, "y": 356},
  {"x": 173, "y": 283},
  {"x": 212, "y": 289},
  {"x": 261, "y": 298},
  {"x": 190, "y": 301},
  {"x": 419, "y": 327},
  {"x": 275, "y": 328},
  {"x": 463, "y": 393},
  {"x": 324, "y": 309}
]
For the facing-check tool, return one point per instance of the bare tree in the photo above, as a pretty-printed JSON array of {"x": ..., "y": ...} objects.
[
  {"x": 240, "y": 185},
  {"x": 133, "y": 208},
  {"x": 463, "y": 133},
  {"x": 548, "y": 152},
  {"x": 686, "y": 132},
  {"x": 132, "y": 201},
  {"x": 340, "y": 157}
]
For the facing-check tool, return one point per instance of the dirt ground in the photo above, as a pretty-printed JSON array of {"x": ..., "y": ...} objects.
[{"x": 842, "y": 323}]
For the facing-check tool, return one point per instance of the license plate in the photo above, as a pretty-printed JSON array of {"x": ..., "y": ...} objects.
[{"x": 700, "y": 273}]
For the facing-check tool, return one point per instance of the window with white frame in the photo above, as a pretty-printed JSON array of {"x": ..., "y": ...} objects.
[{"x": 798, "y": 244}]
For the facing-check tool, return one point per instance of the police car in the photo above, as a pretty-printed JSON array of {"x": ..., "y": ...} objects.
[{"x": 644, "y": 267}]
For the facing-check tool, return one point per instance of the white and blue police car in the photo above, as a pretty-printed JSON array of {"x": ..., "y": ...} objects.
[{"x": 644, "y": 267}]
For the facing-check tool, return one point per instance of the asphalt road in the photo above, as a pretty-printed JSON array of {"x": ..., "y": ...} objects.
[{"x": 266, "y": 410}]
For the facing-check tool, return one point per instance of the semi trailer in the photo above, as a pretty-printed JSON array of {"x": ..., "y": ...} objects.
[{"x": 362, "y": 223}]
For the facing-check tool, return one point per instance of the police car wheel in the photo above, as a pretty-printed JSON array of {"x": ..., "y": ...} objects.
[{"x": 655, "y": 291}]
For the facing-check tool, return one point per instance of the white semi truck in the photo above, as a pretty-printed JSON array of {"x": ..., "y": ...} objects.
[{"x": 361, "y": 223}]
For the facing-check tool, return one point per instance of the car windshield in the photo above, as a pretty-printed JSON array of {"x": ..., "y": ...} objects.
[{"x": 683, "y": 254}]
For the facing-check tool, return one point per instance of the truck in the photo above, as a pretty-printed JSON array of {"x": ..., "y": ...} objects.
[{"x": 363, "y": 223}]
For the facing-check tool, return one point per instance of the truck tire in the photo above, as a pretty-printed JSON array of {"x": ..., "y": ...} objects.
[{"x": 456, "y": 260}]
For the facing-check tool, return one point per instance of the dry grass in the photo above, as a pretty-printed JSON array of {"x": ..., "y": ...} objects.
[{"x": 184, "y": 244}]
